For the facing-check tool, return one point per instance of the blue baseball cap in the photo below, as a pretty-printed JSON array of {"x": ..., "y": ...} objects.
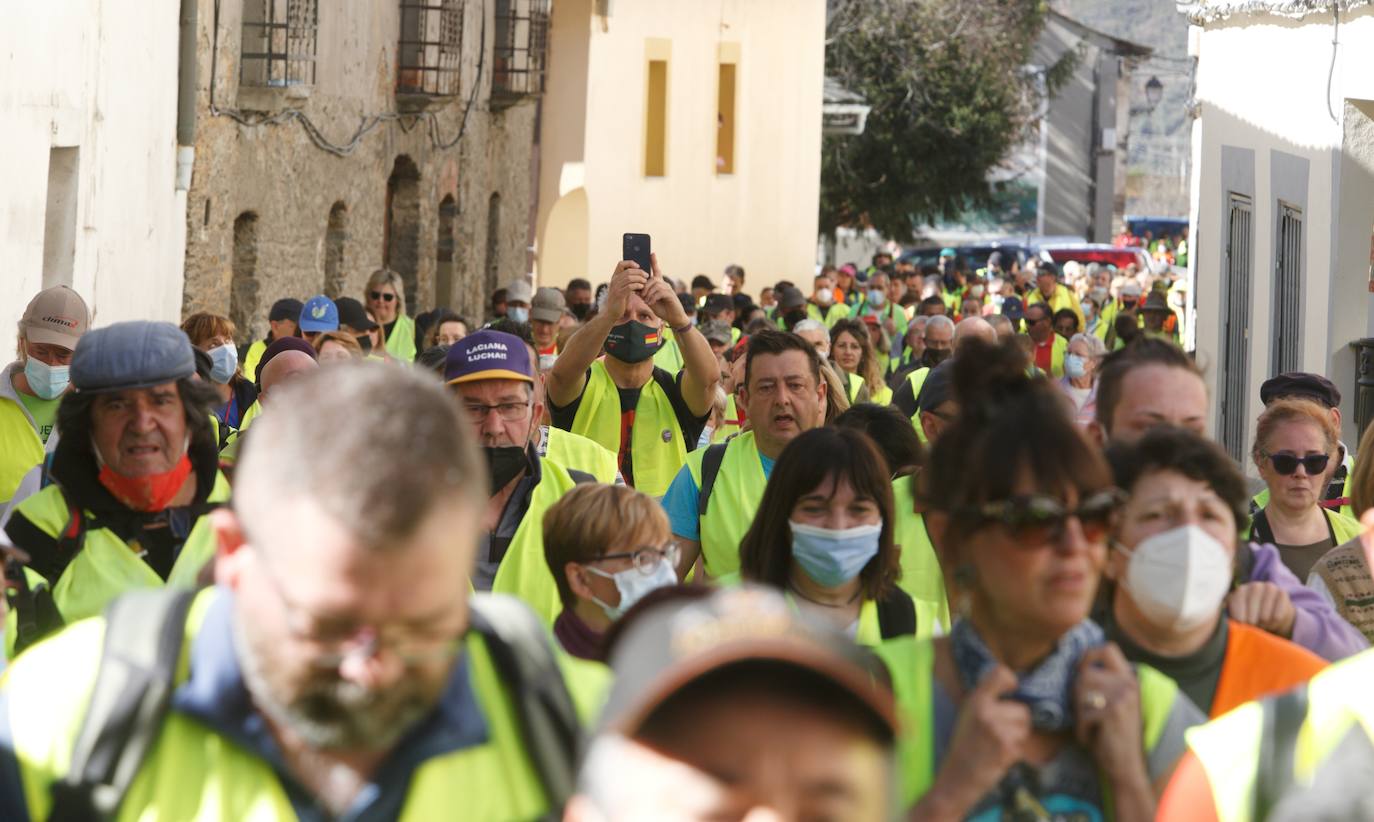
[
  {"x": 1013, "y": 309},
  {"x": 488, "y": 355},
  {"x": 127, "y": 355},
  {"x": 319, "y": 314}
]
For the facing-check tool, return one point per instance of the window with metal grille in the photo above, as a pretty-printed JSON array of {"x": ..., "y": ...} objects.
[
  {"x": 522, "y": 38},
  {"x": 1235, "y": 339},
  {"x": 1287, "y": 295},
  {"x": 431, "y": 47},
  {"x": 278, "y": 46}
]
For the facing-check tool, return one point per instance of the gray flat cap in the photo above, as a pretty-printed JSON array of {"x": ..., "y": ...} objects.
[{"x": 136, "y": 354}]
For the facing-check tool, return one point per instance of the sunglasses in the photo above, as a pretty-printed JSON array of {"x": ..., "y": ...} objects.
[
  {"x": 386, "y": 298},
  {"x": 1037, "y": 520},
  {"x": 1286, "y": 464}
]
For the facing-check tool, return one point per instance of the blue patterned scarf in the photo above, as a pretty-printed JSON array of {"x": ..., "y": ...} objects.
[{"x": 1048, "y": 688}]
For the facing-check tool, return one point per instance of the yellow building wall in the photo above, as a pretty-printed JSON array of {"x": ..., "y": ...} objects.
[{"x": 596, "y": 129}]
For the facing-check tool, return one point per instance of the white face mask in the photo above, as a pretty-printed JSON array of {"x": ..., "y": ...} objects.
[
  {"x": 634, "y": 585},
  {"x": 1178, "y": 578}
]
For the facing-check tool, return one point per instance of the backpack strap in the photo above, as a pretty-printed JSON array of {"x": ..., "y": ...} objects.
[
  {"x": 133, "y": 688},
  {"x": 896, "y": 615},
  {"x": 520, "y": 649},
  {"x": 710, "y": 468},
  {"x": 1283, "y": 719}
]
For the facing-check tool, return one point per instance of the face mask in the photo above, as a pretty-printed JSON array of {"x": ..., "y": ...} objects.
[
  {"x": 518, "y": 314},
  {"x": 830, "y": 557},
  {"x": 504, "y": 463},
  {"x": 149, "y": 493},
  {"x": 634, "y": 585},
  {"x": 824, "y": 297},
  {"x": 365, "y": 343},
  {"x": 935, "y": 356},
  {"x": 975, "y": 291},
  {"x": 876, "y": 298},
  {"x": 1179, "y": 578},
  {"x": 633, "y": 341},
  {"x": 224, "y": 360},
  {"x": 1075, "y": 367},
  {"x": 47, "y": 381},
  {"x": 579, "y": 310}
]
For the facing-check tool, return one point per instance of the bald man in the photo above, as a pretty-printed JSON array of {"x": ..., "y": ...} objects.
[
  {"x": 281, "y": 369},
  {"x": 971, "y": 328}
]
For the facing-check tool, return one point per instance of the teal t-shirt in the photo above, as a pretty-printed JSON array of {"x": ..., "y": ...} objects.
[{"x": 44, "y": 412}]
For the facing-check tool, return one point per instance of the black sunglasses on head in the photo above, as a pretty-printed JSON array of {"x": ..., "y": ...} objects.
[
  {"x": 1286, "y": 464},
  {"x": 386, "y": 298}
]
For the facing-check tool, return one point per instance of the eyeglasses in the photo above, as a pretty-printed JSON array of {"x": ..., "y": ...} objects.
[
  {"x": 646, "y": 559},
  {"x": 333, "y": 644},
  {"x": 386, "y": 298},
  {"x": 508, "y": 411},
  {"x": 1286, "y": 463},
  {"x": 1037, "y": 520}
]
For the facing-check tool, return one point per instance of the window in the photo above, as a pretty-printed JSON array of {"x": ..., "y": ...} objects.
[
  {"x": 522, "y": 39},
  {"x": 444, "y": 247},
  {"x": 725, "y": 120},
  {"x": 1286, "y": 335},
  {"x": 656, "y": 121},
  {"x": 402, "y": 250},
  {"x": 278, "y": 43},
  {"x": 1235, "y": 341},
  {"x": 335, "y": 238},
  {"x": 243, "y": 281},
  {"x": 431, "y": 47}
]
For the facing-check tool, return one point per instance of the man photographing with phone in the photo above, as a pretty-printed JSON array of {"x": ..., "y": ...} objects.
[{"x": 648, "y": 418}]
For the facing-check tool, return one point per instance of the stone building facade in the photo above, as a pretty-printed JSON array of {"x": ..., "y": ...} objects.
[{"x": 334, "y": 138}]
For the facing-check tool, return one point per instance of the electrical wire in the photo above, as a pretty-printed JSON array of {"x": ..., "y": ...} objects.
[
  {"x": 1331, "y": 72},
  {"x": 366, "y": 125}
]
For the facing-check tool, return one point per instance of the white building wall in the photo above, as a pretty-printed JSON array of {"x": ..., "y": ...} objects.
[
  {"x": 1262, "y": 86},
  {"x": 99, "y": 75}
]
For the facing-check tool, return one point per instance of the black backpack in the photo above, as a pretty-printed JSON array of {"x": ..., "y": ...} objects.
[{"x": 136, "y": 678}]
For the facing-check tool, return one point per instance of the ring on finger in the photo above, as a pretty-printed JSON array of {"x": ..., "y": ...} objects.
[{"x": 1095, "y": 700}]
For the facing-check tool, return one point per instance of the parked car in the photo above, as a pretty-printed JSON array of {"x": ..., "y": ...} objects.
[
  {"x": 971, "y": 257},
  {"x": 1102, "y": 253}
]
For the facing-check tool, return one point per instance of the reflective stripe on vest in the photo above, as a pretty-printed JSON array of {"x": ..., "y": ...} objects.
[
  {"x": 911, "y": 663},
  {"x": 734, "y": 502},
  {"x": 524, "y": 572},
  {"x": 401, "y": 342},
  {"x": 193, "y": 772},
  {"x": 1229, "y": 747},
  {"x": 656, "y": 458},
  {"x": 106, "y": 566},
  {"x": 581, "y": 454},
  {"x": 20, "y": 447},
  {"x": 917, "y": 379},
  {"x": 922, "y": 577}
]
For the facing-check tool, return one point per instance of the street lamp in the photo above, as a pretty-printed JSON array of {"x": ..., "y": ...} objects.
[{"x": 1154, "y": 92}]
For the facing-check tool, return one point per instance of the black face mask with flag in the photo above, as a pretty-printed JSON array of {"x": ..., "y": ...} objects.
[{"x": 633, "y": 341}]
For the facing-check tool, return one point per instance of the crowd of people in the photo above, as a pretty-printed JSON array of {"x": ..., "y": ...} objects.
[{"x": 885, "y": 544}]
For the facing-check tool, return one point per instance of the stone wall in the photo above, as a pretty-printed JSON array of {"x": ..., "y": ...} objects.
[{"x": 322, "y": 220}]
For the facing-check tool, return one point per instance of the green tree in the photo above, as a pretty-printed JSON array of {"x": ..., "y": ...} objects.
[{"x": 951, "y": 96}]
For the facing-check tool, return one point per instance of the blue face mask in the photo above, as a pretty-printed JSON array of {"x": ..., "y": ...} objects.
[
  {"x": 47, "y": 381},
  {"x": 224, "y": 361},
  {"x": 832, "y": 558},
  {"x": 1075, "y": 367},
  {"x": 876, "y": 297},
  {"x": 518, "y": 314},
  {"x": 633, "y": 585}
]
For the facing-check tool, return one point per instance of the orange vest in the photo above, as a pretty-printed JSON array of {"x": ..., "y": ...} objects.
[{"x": 1258, "y": 664}]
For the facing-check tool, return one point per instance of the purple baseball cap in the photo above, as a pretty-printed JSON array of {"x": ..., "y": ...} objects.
[{"x": 488, "y": 355}]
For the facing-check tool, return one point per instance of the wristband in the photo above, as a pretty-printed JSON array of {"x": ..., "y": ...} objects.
[{"x": 683, "y": 330}]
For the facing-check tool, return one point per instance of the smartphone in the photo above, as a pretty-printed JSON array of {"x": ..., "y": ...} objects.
[{"x": 636, "y": 249}]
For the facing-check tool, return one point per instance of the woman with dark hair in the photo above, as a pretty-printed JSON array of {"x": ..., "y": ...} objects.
[
  {"x": 1174, "y": 563},
  {"x": 1025, "y": 707},
  {"x": 852, "y": 351},
  {"x": 214, "y": 334},
  {"x": 823, "y": 534},
  {"x": 446, "y": 327}
]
